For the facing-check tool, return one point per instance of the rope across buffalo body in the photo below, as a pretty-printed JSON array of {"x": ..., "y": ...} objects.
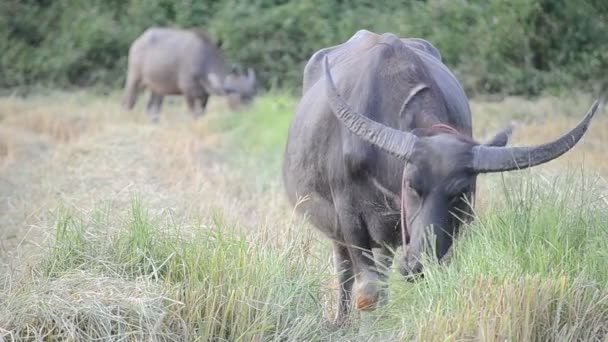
[{"x": 402, "y": 204}]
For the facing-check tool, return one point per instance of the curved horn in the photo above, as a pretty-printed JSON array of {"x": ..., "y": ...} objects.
[
  {"x": 497, "y": 159},
  {"x": 395, "y": 142}
]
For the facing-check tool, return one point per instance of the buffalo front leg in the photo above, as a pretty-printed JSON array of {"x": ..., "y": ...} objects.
[
  {"x": 384, "y": 260},
  {"x": 343, "y": 266},
  {"x": 366, "y": 290},
  {"x": 191, "y": 102},
  {"x": 154, "y": 104}
]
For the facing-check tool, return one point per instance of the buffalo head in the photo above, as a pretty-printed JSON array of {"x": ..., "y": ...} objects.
[{"x": 240, "y": 87}]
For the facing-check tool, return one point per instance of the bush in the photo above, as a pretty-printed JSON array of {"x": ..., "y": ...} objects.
[{"x": 509, "y": 47}]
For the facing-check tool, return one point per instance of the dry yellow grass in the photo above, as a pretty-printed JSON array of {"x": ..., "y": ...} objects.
[
  {"x": 82, "y": 151},
  {"x": 538, "y": 121},
  {"x": 79, "y": 150},
  {"x": 546, "y": 118}
]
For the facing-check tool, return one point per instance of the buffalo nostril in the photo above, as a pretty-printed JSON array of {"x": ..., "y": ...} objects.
[
  {"x": 411, "y": 272},
  {"x": 417, "y": 269}
]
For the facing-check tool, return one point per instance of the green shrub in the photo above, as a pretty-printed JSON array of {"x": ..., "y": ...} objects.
[{"x": 495, "y": 46}]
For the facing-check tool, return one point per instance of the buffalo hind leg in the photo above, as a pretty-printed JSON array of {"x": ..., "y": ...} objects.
[
  {"x": 154, "y": 105},
  {"x": 132, "y": 90},
  {"x": 343, "y": 266}
]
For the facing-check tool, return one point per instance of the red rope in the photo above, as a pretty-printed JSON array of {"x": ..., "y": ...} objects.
[
  {"x": 446, "y": 127},
  {"x": 403, "y": 213}
]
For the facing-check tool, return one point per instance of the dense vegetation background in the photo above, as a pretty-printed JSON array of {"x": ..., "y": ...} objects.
[{"x": 494, "y": 46}]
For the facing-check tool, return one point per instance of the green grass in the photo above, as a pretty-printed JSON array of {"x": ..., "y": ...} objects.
[
  {"x": 531, "y": 267},
  {"x": 259, "y": 137}
]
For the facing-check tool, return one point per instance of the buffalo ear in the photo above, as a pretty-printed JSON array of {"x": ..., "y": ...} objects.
[{"x": 501, "y": 138}]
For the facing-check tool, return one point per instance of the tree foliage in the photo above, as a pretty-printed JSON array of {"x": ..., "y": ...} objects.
[{"x": 493, "y": 46}]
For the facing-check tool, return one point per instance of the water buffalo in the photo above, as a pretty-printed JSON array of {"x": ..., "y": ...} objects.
[
  {"x": 171, "y": 61},
  {"x": 392, "y": 135}
]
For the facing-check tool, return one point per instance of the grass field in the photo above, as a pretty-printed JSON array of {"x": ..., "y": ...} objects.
[{"x": 114, "y": 228}]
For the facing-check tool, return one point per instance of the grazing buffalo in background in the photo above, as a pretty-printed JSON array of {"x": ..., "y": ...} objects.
[
  {"x": 241, "y": 88},
  {"x": 172, "y": 61},
  {"x": 390, "y": 140}
]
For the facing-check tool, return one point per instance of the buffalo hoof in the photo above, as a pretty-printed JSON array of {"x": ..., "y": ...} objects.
[{"x": 367, "y": 295}]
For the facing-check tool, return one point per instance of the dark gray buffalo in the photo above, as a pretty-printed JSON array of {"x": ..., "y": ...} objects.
[
  {"x": 171, "y": 61},
  {"x": 395, "y": 126}
]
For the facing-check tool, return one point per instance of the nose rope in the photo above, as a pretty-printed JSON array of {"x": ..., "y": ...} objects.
[
  {"x": 402, "y": 204},
  {"x": 403, "y": 226},
  {"x": 446, "y": 127}
]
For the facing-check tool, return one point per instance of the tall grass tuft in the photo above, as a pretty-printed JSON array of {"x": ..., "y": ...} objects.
[
  {"x": 150, "y": 279},
  {"x": 530, "y": 269}
]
